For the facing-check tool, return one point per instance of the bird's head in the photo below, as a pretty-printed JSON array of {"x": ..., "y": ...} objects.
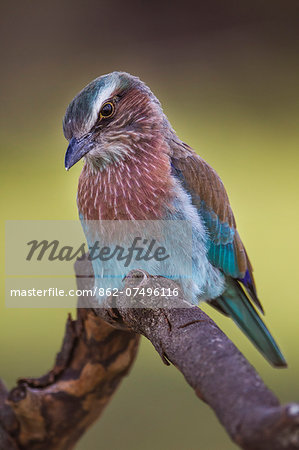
[{"x": 112, "y": 117}]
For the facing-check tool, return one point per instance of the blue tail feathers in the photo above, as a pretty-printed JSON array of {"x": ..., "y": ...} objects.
[{"x": 235, "y": 303}]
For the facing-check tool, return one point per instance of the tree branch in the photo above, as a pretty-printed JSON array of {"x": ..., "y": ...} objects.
[
  {"x": 220, "y": 375},
  {"x": 52, "y": 412}
]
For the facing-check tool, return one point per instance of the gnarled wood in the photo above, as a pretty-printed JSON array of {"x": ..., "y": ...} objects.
[{"x": 52, "y": 412}]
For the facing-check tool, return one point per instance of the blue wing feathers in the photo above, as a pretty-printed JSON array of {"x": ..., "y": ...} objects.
[{"x": 221, "y": 252}]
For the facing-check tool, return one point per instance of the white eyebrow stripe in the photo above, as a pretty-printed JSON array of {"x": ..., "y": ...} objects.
[{"x": 104, "y": 94}]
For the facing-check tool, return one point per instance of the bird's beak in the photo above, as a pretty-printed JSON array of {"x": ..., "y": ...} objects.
[{"x": 76, "y": 150}]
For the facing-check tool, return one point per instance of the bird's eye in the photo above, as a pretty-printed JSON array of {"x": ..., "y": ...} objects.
[{"x": 107, "y": 110}]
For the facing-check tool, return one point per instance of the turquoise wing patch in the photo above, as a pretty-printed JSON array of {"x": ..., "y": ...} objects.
[{"x": 221, "y": 250}]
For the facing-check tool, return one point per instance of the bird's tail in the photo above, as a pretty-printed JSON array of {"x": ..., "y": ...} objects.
[{"x": 237, "y": 305}]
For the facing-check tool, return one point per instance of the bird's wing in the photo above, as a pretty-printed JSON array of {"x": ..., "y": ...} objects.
[{"x": 225, "y": 248}]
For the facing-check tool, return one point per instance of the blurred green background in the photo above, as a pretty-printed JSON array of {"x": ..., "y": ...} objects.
[{"x": 227, "y": 76}]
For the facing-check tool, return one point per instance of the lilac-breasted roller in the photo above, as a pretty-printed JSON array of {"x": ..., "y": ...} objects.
[{"x": 137, "y": 169}]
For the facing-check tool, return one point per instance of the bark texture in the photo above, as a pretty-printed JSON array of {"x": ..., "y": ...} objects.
[{"x": 52, "y": 412}]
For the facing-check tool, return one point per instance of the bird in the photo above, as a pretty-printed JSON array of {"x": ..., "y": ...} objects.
[{"x": 137, "y": 170}]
